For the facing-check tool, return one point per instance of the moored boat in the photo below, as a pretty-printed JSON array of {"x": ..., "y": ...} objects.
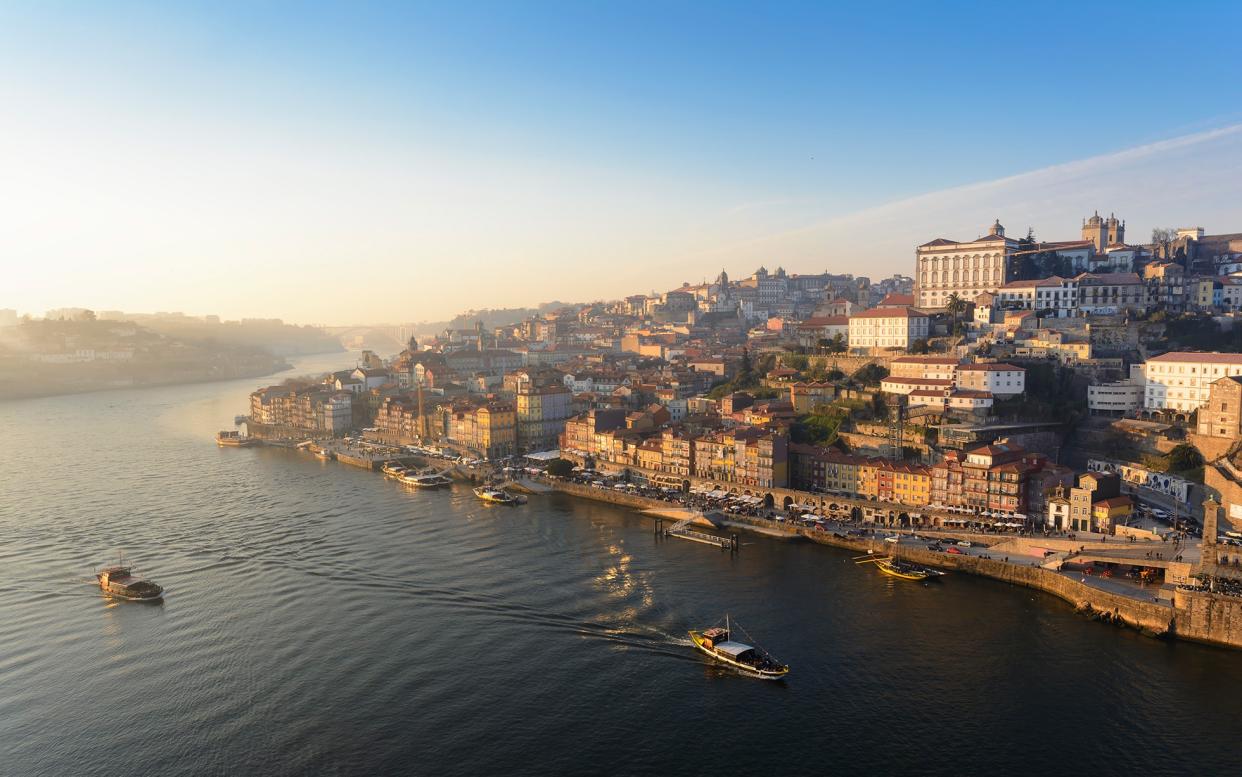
[
  {"x": 895, "y": 567},
  {"x": 495, "y": 495},
  {"x": 232, "y": 439},
  {"x": 747, "y": 659},
  {"x": 425, "y": 480},
  {"x": 120, "y": 581},
  {"x": 393, "y": 469}
]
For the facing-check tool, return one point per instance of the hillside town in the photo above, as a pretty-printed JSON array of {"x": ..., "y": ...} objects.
[{"x": 1091, "y": 385}]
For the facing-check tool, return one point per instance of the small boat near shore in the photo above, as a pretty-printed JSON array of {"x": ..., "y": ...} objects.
[
  {"x": 120, "y": 581},
  {"x": 497, "y": 496},
  {"x": 895, "y": 567},
  {"x": 233, "y": 439},
  {"x": 749, "y": 660},
  {"x": 393, "y": 469}
]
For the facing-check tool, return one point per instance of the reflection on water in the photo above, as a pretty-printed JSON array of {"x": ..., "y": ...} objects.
[{"x": 322, "y": 619}]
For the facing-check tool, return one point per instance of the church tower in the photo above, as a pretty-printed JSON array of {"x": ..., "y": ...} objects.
[{"x": 1093, "y": 230}]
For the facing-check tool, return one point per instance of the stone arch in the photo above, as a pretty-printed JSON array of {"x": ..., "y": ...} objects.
[
  {"x": 685, "y": 486},
  {"x": 768, "y": 501},
  {"x": 786, "y": 502},
  {"x": 856, "y": 513},
  {"x": 903, "y": 519}
]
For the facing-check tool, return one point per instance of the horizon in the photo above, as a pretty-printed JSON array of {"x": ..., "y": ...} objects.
[{"x": 197, "y": 158}]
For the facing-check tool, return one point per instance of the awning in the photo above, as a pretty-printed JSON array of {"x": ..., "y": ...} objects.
[
  {"x": 733, "y": 649},
  {"x": 544, "y": 455}
]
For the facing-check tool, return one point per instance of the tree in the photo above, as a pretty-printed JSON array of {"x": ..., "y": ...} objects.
[
  {"x": 744, "y": 371},
  {"x": 560, "y": 468},
  {"x": 955, "y": 305},
  {"x": 871, "y": 374},
  {"x": 1162, "y": 240},
  {"x": 795, "y": 361},
  {"x": 920, "y": 346},
  {"x": 838, "y": 343},
  {"x": 1184, "y": 458}
]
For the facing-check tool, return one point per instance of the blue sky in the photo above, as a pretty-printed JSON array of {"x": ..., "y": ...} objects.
[{"x": 535, "y": 149}]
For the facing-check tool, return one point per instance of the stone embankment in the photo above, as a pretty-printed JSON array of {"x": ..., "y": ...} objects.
[{"x": 1192, "y": 615}]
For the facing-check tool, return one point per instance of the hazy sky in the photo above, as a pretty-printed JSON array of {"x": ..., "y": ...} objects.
[{"x": 374, "y": 162}]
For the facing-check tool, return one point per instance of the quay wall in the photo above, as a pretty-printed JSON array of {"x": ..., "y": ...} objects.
[
  {"x": 1205, "y": 617},
  {"x": 1193, "y": 616},
  {"x": 1151, "y": 618}
]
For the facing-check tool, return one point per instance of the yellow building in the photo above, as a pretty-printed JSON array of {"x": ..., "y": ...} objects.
[{"x": 868, "y": 478}]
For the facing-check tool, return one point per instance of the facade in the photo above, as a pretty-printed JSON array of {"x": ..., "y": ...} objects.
[
  {"x": 1221, "y": 415},
  {"x": 1109, "y": 293},
  {"x": 945, "y": 267},
  {"x": 887, "y": 328},
  {"x": 318, "y": 410},
  {"x": 936, "y": 367},
  {"x": 1181, "y": 380},
  {"x": 999, "y": 379},
  {"x": 488, "y": 430},
  {"x": 748, "y": 457},
  {"x": 1115, "y": 399},
  {"x": 541, "y": 414},
  {"x": 1055, "y": 296}
]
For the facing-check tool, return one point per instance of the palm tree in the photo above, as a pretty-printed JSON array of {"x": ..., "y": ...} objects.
[{"x": 955, "y": 305}]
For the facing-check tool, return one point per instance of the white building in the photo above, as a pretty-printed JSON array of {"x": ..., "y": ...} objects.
[
  {"x": 997, "y": 378},
  {"x": 1180, "y": 380},
  {"x": 887, "y": 328},
  {"x": 945, "y": 267},
  {"x": 939, "y": 367},
  {"x": 1057, "y": 295},
  {"x": 1120, "y": 398},
  {"x": 900, "y": 385}
]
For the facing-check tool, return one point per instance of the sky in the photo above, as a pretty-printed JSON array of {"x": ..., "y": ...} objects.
[{"x": 372, "y": 162}]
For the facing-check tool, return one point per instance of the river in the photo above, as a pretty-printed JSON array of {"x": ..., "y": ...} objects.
[{"x": 321, "y": 619}]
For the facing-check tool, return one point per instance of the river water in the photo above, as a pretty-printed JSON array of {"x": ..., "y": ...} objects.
[{"x": 321, "y": 619}]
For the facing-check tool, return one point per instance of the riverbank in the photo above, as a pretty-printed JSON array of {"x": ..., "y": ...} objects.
[{"x": 1184, "y": 614}]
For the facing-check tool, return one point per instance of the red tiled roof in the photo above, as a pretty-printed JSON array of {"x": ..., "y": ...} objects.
[
  {"x": 901, "y": 312},
  {"x": 1208, "y": 357},
  {"x": 992, "y": 367}
]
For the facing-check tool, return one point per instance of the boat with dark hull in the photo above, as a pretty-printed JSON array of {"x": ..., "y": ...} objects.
[
  {"x": 120, "y": 581},
  {"x": 749, "y": 660}
]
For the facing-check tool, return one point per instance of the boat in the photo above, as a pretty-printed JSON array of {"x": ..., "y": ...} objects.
[
  {"x": 323, "y": 454},
  {"x": 232, "y": 439},
  {"x": 752, "y": 661},
  {"x": 393, "y": 469},
  {"x": 425, "y": 480},
  {"x": 895, "y": 567},
  {"x": 120, "y": 581},
  {"x": 495, "y": 495}
]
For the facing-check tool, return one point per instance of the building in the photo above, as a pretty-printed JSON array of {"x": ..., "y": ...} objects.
[
  {"x": 991, "y": 480},
  {"x": 997, "y": 378},
  {"x": 1095, "y": 504},
  {"x": 1117, "y": 399},
  {"x": 488, "y": 431},
  {"x": 1056, "y": 297},
  {"x": 1221, "y": 415},
  {"x": 541, "y": 416},
  {"x": 806, "y": 396},
  {"x": 746, "y": 456},
  {"x": 1103, "y": 232},
  {"x": 1181, "y": 380},
  {"x": 935, "y": 367},
  {"x": 946, "y": 267},
  {"x": 1110, "y": 293},
  {"x": 895, "y": 327}
]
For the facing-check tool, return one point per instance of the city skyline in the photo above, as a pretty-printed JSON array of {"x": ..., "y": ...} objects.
[{"x": 176, "y": 159}]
